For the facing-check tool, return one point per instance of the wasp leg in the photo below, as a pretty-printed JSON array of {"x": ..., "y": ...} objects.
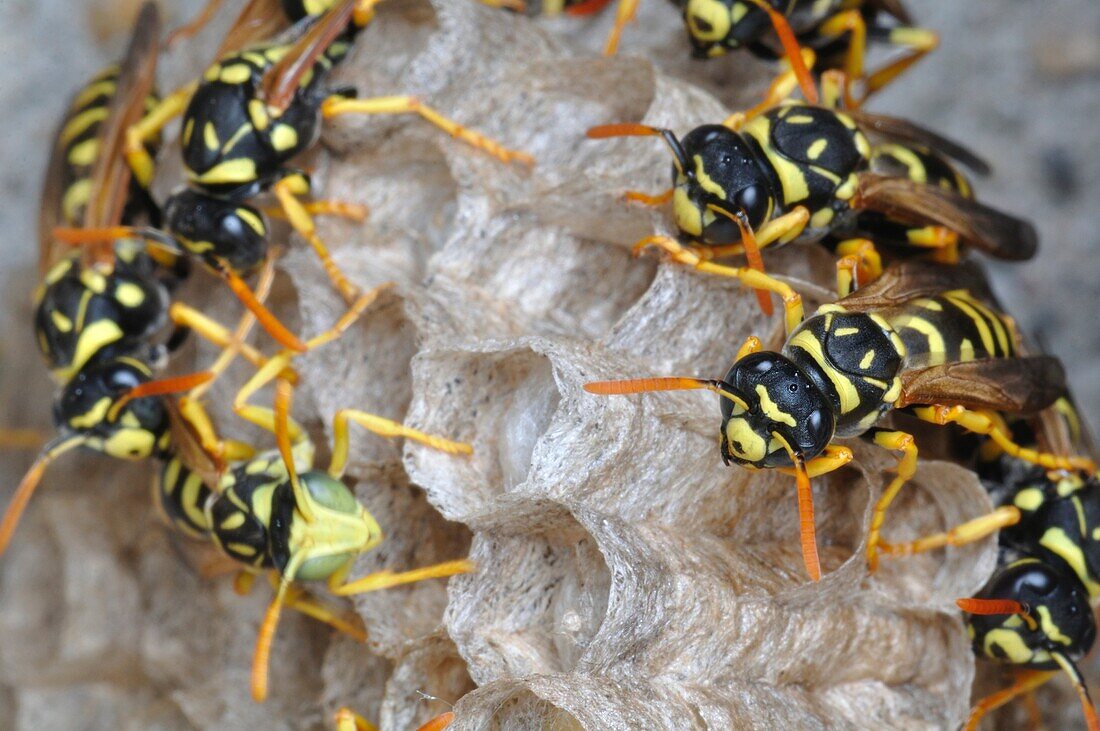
[
  {"x": 352, "y": 211},
  {"x": 141, "y": 162},
  {"x": 338, "y": 585},
  {"x": 849, "y": 22},
  {"x": 859, "y": 264},
  {"x": 792, "y": 301},
  {"x": 944, "y": 241},
  {"x": 348, "y": 720},
  {"x": 188, "y": 30},
  {"x": 440, "y": 722},
  {"x": 660, "y": 199},
  {"x": 336, "y": 105},
  {"x": 385, "y": 428},
  {"x": 782, "y": 88},
  {"x": 285, "y": 191},
  {"x": 228, "y": 450},
  {"x": 751, "y": 345},
  {"x": 834, "y": 457},
  {"x": 206, "y": 328},
  {"x": 960, "y": 535},
  {"x": 1026, "y": 681},
  {"x": 897, "y": 441},
  {"x": 988, "y": 424},
  {"x": 624, "y": 15},
  {"x": 348, "y": 623},
  {"x": 919, "y": 41}
]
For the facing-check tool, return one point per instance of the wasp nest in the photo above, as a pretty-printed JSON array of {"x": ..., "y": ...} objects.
[{"x": 626, "y": 578}]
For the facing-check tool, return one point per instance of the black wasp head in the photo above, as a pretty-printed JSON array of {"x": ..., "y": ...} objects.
[
  {"x": 778, "y": 399},
  {"x": 218, "y": 230},
  {"x": 713, "y": 30},
  {"x": 1056, "y": 601},
  {"x": 721, "y": 171},
  {"x": 87, "y": 406}
]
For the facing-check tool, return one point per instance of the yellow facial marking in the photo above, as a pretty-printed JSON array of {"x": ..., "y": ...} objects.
[
  {"x": 702, "y": 13},
  {"x": 94, "y": 415},
  {"x": 254, "y": 222},
  {"x": 771, "y": 409},
  {"x": 129, "y": 444},
  {"x": 129, "y": 294},
  {"x": 745, "y": 443},
  {"x": 234, "y": 521},
  {"x": 1010, "y": 643},
  {"x": 687, "y": 215},
  {"x": 1050, "y": 628}
]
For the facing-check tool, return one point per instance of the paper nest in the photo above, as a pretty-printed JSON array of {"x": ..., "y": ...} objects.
[{"x": 626, "y": 578}]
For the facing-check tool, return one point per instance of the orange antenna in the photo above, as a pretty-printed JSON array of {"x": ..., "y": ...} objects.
[
  {"x": 283, "y": 397},
  {"x": 752, "y": 251},
  {"x": 793, "y": 50},
  {"x": 267, "y": 320},
  {"x": 646, "y": 385},
  {"x": 807, "y": 527},
  {"x": 262, "y": 656},
  {"x": 29, "y": 484},
  {"x": 160, "y": 387},
  {"x": 997, "y": 606},
  {"x": 630, "y": 129}
]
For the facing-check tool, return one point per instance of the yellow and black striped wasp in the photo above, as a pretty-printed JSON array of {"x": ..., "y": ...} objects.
[
  {"x": 252, "y": 112},
  {"x": 801, "y": 172},
  {"x": 1035, "y": 612},
  {"x": 98, "y": 310},
  {"x": 274, "y": 512},
  {"x": 922, "y": 337}
]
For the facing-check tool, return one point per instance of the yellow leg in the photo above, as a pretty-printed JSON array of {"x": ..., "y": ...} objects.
[
  {"x": 348, "y": 623},
  {"x": 150, "y": 125},
  {"x": 302, "y": 222},
  {"x": 990, "y": 425},
  {"x": 850, "y": 22},
  {"x": 216, "y": 333},
  {"x": 960, "y": 535},
  {"x": 388, "y": 579},
  {"x": 943, "y": 241},
  {"x": 351, "y": 211},
  {"x": 919, "y": 41},
  {"x": 907, "y": 466},
  {"x": 334, "y": 106},
  {"x": 860, "y": 263},
  {"x": 782, "y": 88},
  {"x": 1027, "y": 681},
  {"x": 792, "y": 301},
  {"x": 833, "y": 458},
  {"x": 751, "y": 345},
  {"x": 348, "y": 720},
  {"x": 382, "y": 427},
  {"x": 624, "y": 14}
]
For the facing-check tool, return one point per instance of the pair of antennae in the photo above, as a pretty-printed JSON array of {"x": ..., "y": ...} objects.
[
  {"x": 806, "y": 524},
  {"x": 988, "y": 607}
]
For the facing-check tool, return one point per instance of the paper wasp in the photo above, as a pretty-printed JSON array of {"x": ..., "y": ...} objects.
[
  {"x": 251, "y": 113},
  {"x": 1034, "y": 613},
  {"x": 798, "y": 172},
  {"x": 921, "y": 337},
  {"x": 98, "y": 310},
  {"x": 274, "y": 512}
]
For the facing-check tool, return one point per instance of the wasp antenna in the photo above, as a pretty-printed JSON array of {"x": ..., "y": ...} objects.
[
  {"x": 807, "y": 528},
  {"x": 793, "y": 50},
  {"x": 971, "y": 605},
  {"x": 1091, "y": 719},
  {"x": 283, "y": 396},
  {"x": 672, "y": 383},
  {"x": 30, "y": 483},
  {"x": 160, "y": 387},
  {"x": 262, "y": 656},
  {"x": 623, "y": 129}
]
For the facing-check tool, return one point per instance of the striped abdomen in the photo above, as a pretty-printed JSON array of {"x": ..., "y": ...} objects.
[{"x": 952, "y": 327}]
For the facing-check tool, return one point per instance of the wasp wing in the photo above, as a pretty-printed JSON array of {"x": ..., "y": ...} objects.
[
  {"x": 110, "y": 176},
  {"x": 1015, "y": 385},
  {"x": 903, "y": 130},
  {"x": 282, "y": 81},
  {"x": 995, "y": 232},
  {"x": 260, "y": 20},
  {"x": 905, "y": 281},
  {"x": 187, "y": 447}
]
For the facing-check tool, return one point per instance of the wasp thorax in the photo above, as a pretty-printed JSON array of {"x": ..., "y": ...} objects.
[
  {"x": 785, "y": 408},
  {"x": 86, "y": 406},
  {"x": 1058, "y": 605},
  {"x": 218, "y": 229},
  {"x": 720, "y": 170}
]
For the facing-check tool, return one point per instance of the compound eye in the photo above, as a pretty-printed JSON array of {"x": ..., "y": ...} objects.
[
  {"x": 753, "y": 200},
  {"x": 818, "y": 433}
]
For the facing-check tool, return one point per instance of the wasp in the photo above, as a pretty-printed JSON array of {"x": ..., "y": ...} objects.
[
  {"x": 274, "y": 512},
  {"x": 97, "y": 310},
  {"x": 1035, "y": 612},
  {"x": 921, "y": 337},
  {"x": 800, "y": 172},
  {"x": 253, "y": 112}
]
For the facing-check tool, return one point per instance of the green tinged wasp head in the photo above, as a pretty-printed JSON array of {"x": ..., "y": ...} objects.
[
  {"x": 780, "y": 411},
  {"x": 715, "y": 167}
]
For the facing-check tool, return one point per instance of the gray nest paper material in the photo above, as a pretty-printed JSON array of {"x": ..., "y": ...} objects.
[{"x": 626, "y": 578}]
